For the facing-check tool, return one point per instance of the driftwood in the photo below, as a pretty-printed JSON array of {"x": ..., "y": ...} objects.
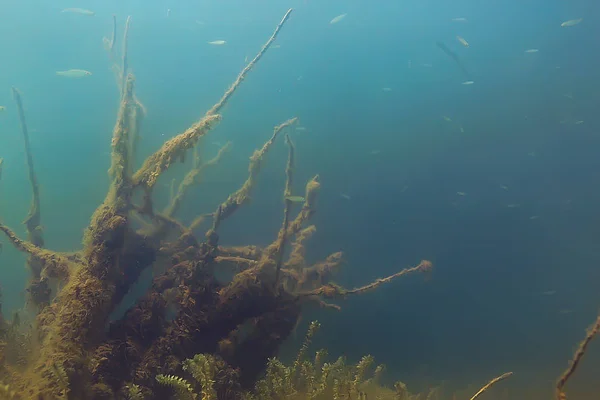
[{"x": 74, "y": 352}]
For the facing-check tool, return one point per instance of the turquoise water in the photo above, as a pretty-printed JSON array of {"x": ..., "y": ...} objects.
[{"x": 496, "y": 182}]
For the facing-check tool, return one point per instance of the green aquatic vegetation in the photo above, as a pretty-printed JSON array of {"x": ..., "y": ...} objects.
[
  {"x": 180, "y": 386},
  {"x": 305, "y": 379}
]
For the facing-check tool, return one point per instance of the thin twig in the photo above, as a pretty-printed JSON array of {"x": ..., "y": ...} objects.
[
  {"x": 175, "y": 148},
  {"x": 560, "y": 384},
  {"x": 192, "y": 177},
  {"x": 332, "y": 291},
  {"x": 283, "y": 233},
  {"x": 125, "y": 65},
  {"x": 242, "y": 195},
  {"x": 490, "y": 384},
  {"x": 33, "y": 219},
  {"x": 120, "y": 141},
  {"x": 111, "y": 46},
  {"x": 217, "y": 107}
]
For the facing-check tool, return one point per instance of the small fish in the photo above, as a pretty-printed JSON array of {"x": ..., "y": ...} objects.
[
  {"x": 565, "y": 311},
  {"x": 387, "y": 89},
  {"x": 337, "y": 19},
  {"x": 578, "y": 122},
  {"x": 345, "y": 196},
  {"x": 468, "y": 82},
  {"x": 530, "y": 51},
  {"x": 571, "y": 22},
  {"x": 447, "y": 119},
  {"x": 461, "y": 193},
  {"x": 533, "y": 217},
  {"x": 548, "y": 293},
  {"x": 513, "y": 206},
  {"x": 300, "y": 128},
  {"x": 74, "y": 73},
  {"x": 217, "y": 42},
  {"x": 200, "y": 22},
  {"x": 404, "y": 189},
  {"x": 276, "y": 46},
  {"x": 462, "y": 41},
  {"x": 2, "y": 108},
  {"x": 295, "y": 199},
  {"x": 168, "y": 12},
  {"x": 1, "y": 162},
  {"x": 459, "y": 19},
  {"x": 81, "y": 11},
  {"x": 504, "y": 187},
  {"x": 374, "y": 152},
  {"x": 462, "y": 130}
]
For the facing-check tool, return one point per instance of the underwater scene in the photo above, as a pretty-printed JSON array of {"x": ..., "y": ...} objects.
[{"x": 299, "y": 199}]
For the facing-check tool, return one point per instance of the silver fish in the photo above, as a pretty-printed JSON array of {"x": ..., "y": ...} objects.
[
  {"x": 295, "y": 199},
  {"x": 74, "y": 73},
  {"x": 81, "y": 11},
  {"x": 337, "y": 19},
  {"x": 571, "y": 22},
  {"x": 462, "y": 41}
]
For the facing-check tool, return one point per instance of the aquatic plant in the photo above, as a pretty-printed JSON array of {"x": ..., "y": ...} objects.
[
  {"x": 305, "y": 379},
  {"x": 74, "y": 352}
]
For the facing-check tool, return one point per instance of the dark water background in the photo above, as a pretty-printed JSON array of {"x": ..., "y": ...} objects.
[{"x": 489, "y": 306}]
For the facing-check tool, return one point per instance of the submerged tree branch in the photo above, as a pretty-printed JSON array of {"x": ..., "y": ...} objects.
[
  {"x": 38, "y": 288},
  {"x": 33, "y": 219},
  {"x": 221, "y": 103},
  {"x": 242, "y": 195},
  {"x": 332, "y": 291},
  {"x": 579, "y": 353},
  {"x": 490, "y": 384}
]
